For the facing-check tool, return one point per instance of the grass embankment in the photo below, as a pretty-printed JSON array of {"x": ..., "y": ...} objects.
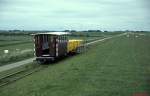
[
  {"x": 24, "y": 51},
  {"x": 20, "y": 47},
  {"x": 116, "y": 67}
]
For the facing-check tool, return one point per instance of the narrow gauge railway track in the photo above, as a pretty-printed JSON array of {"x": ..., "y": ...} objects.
[
  {"x": 23, "y": 73},
  {"x": 8, "y": 79}
]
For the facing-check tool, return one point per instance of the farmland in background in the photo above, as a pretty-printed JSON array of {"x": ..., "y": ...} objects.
[
  {"x": 19, "y": 47},
  {"x": 116, "y": 67}
]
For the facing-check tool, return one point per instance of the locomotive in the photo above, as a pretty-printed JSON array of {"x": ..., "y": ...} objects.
[{"x": 52, "y": 45}]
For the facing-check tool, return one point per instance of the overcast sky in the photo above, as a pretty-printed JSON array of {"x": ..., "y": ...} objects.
[{"x": 75, "y": 14}]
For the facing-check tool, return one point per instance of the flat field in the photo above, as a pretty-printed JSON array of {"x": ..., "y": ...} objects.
[
  {"x": 115, "y": 67},
  {"x": 19, "y": 47}
]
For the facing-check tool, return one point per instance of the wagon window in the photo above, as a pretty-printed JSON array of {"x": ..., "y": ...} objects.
[
  {"x": 35, "y": 39},
  {"x": 66, "y": 38},
  {"x": 63, "y": 38},
  {"x": 60, "y": 39},
  {"x": 45, "y": 38},
  {"x": 51, "y": 38},
  {"x": 38, "y": 39}
]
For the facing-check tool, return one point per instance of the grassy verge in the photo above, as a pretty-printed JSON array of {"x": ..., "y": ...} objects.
[
  {"x": 14, "y": 58},
  {"x": 17, "y": 69},
  {"x": 116, "y": 67},
  {"x": 19, "y": 47}
]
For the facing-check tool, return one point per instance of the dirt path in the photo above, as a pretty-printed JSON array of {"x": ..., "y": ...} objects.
[
  {"x": 16, "y": 64},
  {"x": 104, "y": 39},
  {"x": 23, "y": 62}
]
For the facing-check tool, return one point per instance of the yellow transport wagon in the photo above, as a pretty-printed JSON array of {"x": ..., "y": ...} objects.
[{"x": 73, "y": 45}]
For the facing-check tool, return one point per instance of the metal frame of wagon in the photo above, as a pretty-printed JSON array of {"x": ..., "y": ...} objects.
[{"x": 57, "y": 45}]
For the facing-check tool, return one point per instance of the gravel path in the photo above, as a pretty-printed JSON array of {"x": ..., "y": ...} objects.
[
  {"x": 105, "y": 39},
  {"x": 16, "y": 64}
]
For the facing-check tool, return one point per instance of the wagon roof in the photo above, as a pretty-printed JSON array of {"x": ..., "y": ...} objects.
[{"x": 53, "y": 33}]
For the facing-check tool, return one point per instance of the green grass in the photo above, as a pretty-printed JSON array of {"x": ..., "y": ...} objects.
[
  {"x": 17, "y": 69},
  {"x": 17, "y": 52},
  {"x": 20, "y": 47},
  {"x": 116, "y": 67},
  {"x": 15, "y": 37}
]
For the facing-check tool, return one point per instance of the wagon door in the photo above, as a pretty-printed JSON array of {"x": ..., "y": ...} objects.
[
  {"x": 52, "y": 46},
  {"x": 45, "y": 45},
  {"x": 38, "y": 47}
]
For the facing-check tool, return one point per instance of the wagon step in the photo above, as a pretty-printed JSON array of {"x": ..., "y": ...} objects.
[{"x": 46, "y": 55}]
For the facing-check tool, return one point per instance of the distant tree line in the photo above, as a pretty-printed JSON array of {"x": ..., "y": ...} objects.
[{"x": 74, "y": 32}]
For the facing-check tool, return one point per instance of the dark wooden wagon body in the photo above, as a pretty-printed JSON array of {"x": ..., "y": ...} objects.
[{"x": 49, "y": 46}]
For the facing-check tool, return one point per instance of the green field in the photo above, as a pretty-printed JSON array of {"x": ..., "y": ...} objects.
[
  {"x": 115, "y": 67},
  {"x": 19, "y": 46}
]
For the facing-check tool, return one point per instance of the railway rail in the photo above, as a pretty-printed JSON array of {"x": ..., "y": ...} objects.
[
  {"x": 5, "y": 80},
  {"x": 10, "y": 78}
]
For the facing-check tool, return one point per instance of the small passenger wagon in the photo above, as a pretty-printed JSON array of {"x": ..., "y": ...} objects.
[{"x": 52, "y": 45}]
